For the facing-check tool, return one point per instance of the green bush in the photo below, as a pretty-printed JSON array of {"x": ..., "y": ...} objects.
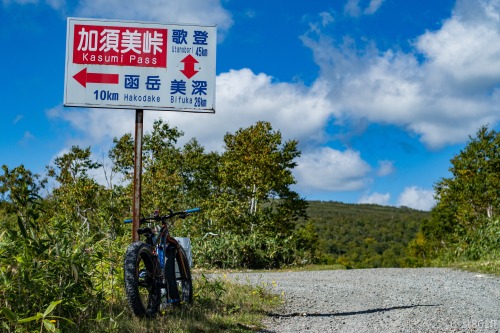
[
  {"x": 482, "y": 242},
  {"x": 254, "y": 251}
]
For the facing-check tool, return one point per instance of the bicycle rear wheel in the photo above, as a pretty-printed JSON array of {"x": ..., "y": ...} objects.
[
  {"x": 141, "y": 270},
  {"x": 178, "y": 275}
]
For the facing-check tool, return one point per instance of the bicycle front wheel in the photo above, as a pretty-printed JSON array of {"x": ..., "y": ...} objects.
[
  {"x": 141, "y": 285},
  {"x": 178, "y": 274}
]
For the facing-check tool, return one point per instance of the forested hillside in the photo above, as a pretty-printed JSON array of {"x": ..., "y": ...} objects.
[{"x": 364, "y": 235}]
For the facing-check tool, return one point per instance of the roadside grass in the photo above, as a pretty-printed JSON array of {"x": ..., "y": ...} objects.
[
  {"x": 486, "y": 266},
  {"x": 312, "y": 267},
  {"x": 479, "y": 266},
  {"x": 302, "y": 268},
  {"x": 490, "y": 265},
  {"x": 219, "y": 306}
]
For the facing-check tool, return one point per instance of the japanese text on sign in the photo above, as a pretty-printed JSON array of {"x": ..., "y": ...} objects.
[{"x": 120, "y": 46}]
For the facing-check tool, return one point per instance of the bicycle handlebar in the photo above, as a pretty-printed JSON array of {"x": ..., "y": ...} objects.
[{"x": 183, "y": 214}]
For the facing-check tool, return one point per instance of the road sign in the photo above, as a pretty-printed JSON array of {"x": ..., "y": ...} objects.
[{"x": 139, "y": 65}]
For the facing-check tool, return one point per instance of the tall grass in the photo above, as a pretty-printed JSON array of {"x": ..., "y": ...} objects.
[
  {"x": 219, "y": 306},
  {"x": 478, "y": 250}
]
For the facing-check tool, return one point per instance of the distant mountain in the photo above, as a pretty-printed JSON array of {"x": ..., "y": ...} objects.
[{"x": 364, "y": 235}]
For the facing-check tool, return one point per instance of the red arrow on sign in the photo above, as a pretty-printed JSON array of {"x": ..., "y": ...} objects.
[
  {"x": 189, "y": 70},
  {"x": 83, "y": 78}
]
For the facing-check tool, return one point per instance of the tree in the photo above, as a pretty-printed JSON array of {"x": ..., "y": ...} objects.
[
  {"x": 473, "y": 191},
  {"x": 162, "y": 182},
  {"x": 199, "y": 171},
  {"x": 76, "y": 197},
  {"x": 20, "y": 190},
  {"x": 469, "y": 199},
  {"x": 161, "y": 162},
  {"x": 244, "y": 192},
  {"x": 256, "y": 175}
]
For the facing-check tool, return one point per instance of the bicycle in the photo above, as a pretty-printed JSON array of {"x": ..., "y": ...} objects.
[{"x": 156, "y": 270}]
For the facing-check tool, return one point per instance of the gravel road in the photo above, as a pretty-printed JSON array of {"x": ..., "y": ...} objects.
[{"x": 382, "y": 300}]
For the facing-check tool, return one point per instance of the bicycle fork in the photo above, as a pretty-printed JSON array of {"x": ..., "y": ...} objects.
[
  {"x": 166, "y": 280},
  {"x": 170, "y": 274}
]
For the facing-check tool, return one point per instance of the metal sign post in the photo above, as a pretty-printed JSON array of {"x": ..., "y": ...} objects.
[{"x": 136, "y": 209}]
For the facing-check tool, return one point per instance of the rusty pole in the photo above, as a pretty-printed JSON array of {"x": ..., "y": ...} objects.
[{"x": 136, "y": 205}]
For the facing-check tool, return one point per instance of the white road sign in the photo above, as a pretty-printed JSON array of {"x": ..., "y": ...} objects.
[{"x": 138, "y": 65}]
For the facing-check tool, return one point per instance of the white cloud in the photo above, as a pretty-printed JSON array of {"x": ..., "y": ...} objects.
[
  {"x": 54, "y": 4},
  {"x": 250, "y": 13},
  {"x": 326, "y": 18},
  {"x": 18, "y": 118},
  {"x": 97, "y": 125},
  {"x": 373, "y": 6},
  {"x": 166, "y": 11},
  {"x": 376, "y": 198},
  {"x": 27, "y": 136},
  {"x": 417, "y": 198},
  {"x": 385, "y": 168},
  {"x": 298, "y": 112},
  {"x": 465, "y": 55},
  {"x": 327, "y": 169},
  {"x": 353, "y": 8},
  {"x": 443, "y": 90},
  {"x": 57, "y": 4},
  {"x": 21, "y": 2}
]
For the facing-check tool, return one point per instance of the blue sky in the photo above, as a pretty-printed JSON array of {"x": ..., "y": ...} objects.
[{"x": 381, "y": 94}]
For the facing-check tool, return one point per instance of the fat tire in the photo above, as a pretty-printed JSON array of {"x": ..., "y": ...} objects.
[
  {"x": 139, "y": 257},
  {"x": 178, "y": 276}
]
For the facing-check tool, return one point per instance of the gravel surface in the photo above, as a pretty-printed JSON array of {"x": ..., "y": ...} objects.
[{"x": 382, "y": 300}]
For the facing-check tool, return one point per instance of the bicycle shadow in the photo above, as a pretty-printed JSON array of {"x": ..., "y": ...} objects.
[{"x": 350, "y": 313}]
